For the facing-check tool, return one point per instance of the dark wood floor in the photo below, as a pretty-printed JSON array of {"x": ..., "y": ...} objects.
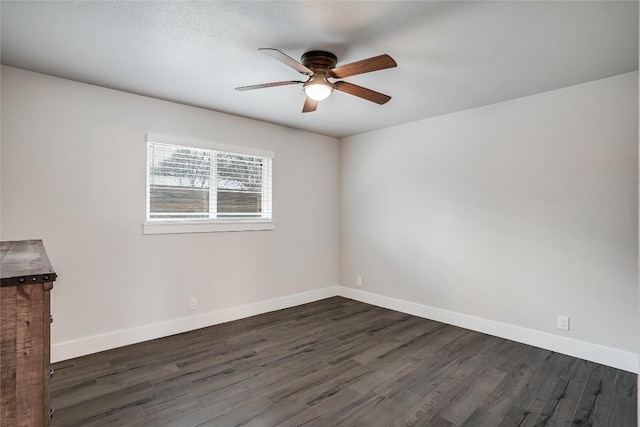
[{"x": 338, "y": 362}]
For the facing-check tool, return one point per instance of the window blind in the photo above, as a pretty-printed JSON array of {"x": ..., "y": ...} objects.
[{"x": 195, "y": 183}]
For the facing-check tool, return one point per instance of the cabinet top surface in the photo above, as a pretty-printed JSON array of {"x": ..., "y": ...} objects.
[{"x": 24, "y": 262}]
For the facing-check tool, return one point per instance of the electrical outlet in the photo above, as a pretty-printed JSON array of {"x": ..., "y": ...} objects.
[
  {"x": 563, "y": 322},
  {"x": 358, "y": 281},
  {"x": 193, "y": 304}
]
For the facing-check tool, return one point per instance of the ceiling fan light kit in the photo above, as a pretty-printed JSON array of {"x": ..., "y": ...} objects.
[
  {"x": 318, "y": 88},
  {"x": 320, "y": 65}
]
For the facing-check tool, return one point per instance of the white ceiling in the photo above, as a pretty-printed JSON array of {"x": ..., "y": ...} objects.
[{"x": 451, "y": 55}]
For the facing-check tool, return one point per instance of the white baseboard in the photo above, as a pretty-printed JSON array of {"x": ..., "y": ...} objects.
[
  {"x": 584, "y": 350},
  {"x": 93, "y": 344},
  {"x": 620, "y": 359}
]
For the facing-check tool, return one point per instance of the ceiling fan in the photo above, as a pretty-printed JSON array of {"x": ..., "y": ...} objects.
[{"x": 320, "y": 66}]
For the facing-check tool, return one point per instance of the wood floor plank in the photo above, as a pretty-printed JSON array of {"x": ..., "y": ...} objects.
[
  {"x": 176, "y": 407},
  {"x": 388, "y": 409},
  {"x": 561, "y": 406},
  {"x": 93, "y": 410},
  {"x": 241, "y": 415},
  {"x": 516, "y": 417},
  {"x": 69, "y": 375},
  {"x": 623, "y": 411},
  {"x": 535, "y": 394},
  {"x": 425, "y": 342},
  {"x": 483, "y": 417},
  {"x": 324, "y": 407},
  {"x": 578, "y": 370},
  {"x": 627, "y": 384},
  {"x": 389, "y": 377},
  {"x": 302, "y": 384},
  {"x": 126, "y": 377},
  {"x": 351, "y": 413},
  {"x": 276, "y": 414},
  {"x": 333, "y": 386},
  {"x": 595, "y": 403},
  {"x": 199, "y": 416},
  {"x": 510, "y": 361},
  {"x": 472, "y": 397},
  {"x": 403, "y": 377},
  {"x": 464, "y": 343},
  {"x": 77, "y": 393},
  {"x": 131, "y": 416},
  {"x": 557, "y": 365},
  {"x": 503, "y": 396},
  {"x": 276, "y": 378},
  {"x": 440, "y": 393},
  {"x": 440, "y": 422},
  {"x": 460, "y": 369},
  {"x": 338, "y": 362}
]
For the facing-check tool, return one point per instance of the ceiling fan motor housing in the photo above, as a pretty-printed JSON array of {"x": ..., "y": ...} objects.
[{"x": 319, "y": 61}]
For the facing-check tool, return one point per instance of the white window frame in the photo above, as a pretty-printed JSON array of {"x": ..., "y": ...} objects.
[{"x": 208, "y": 225}]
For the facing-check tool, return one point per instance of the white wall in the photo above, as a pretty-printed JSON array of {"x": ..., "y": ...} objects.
[
  {"x": 503, "y": 215},
  {"x": 514, "y": 213},
  {"x": 73, "y": 174}
]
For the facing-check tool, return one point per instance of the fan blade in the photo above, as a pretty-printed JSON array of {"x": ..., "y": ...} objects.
[
  {"x": 286, "y": 60},
  {"x": 362, "y": 92},
  {"x": 309, "y": 105},
  {"x": 262, "y": 86},
  {"x": 381, "y": 62}
]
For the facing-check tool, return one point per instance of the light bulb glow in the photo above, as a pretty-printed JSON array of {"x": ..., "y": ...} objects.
[{"x": 318, "y": 91}]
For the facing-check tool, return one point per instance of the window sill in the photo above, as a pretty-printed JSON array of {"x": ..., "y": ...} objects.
[{"x": 173, "y": 227}]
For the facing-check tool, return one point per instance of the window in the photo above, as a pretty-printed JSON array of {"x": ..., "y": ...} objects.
[{"x": 202, "y": 189}]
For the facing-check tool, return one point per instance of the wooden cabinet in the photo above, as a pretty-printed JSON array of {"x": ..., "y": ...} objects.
[{"x": 26, "y": 279}]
